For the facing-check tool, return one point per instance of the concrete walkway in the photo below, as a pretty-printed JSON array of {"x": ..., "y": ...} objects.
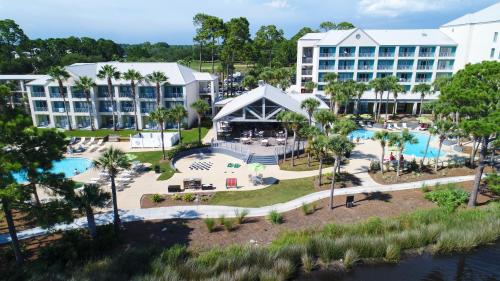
[{"x": 209, "y": 211}]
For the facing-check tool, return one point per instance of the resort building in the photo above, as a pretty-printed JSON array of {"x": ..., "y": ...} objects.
[
  {"x": 18, "y": 82},
  {"x": 184, "y": 86},
  {"x": 414, "y": 56}
]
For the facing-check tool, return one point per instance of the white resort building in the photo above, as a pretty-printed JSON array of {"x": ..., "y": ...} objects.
[
  {"x": 184, "y": 86},
  {"x": 412, "y": 55}
]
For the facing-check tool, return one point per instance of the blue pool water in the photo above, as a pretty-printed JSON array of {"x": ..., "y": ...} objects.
[
  {"x": 66, "y": 166},
  {"x": 417, "y": 150}
]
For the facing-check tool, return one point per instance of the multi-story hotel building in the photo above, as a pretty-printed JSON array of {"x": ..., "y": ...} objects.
[
  {"x": 184, "y": 86},
  {"x": 412, "y": 55}
]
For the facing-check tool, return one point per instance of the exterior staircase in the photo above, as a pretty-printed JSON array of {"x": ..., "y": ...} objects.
[{"x": 262, "y": 159}]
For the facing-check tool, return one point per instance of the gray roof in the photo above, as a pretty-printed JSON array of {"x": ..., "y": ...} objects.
[{"x": 488, "y": 14}]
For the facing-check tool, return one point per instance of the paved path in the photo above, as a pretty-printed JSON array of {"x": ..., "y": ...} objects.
[{"x": 206, "y": 211}]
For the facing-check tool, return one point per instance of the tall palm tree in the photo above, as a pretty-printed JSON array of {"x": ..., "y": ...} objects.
[
  {"x": 334, "y": 90},
  {"x": 359, "y": 89},
  {"x": 383, "y": 138},
  {"x": 85, "y": 84},
  {"x": 59, "y": 74},
  {"x": 309, "y": 132},
  {"x": 297, "y": 120},
  {"x": 110, "y": 72},
  {"x": 391, "y": 84},
  {"x": 310, "y": 86},
  {"x": 201, "y": 107},
  {"x": 91, "y": 196},
  {"x": 160, "y": 116},
  {"x": 324, "y": 117},
  {"x": 397, "y": 89},
  {"x": 331, "y": 87},
  {"x": 424, "y": 90},
  {"x": 158, "y": 78},
  {"x": 432, "y": 131},
  {"x": 310, "y": 105},
  {"x": 134, "y": 77},
  {"x": 348, "y": 92},
  {"x": 284, "y": 118},
  {"x": 400, "y": 140},
  {"x": 319, "y": 147},
  {"x": 110, "y": 161},
  {"x": 344, "y": 127},
  {"x": 443, "y": 130},
  {"x": 177, "y": 114},
  {"x": 378, "y": 87},
  {"x": 339, "y": 146}
]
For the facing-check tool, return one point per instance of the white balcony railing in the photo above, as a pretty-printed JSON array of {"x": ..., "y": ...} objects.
[
  {"x": 406, "y": 54},
  {"x": 426, "y": 54},
  {"x": 444, "y": 67},
  {"x": 41, "y": 108},
  {"x": 346, "y": 67},
  {"x": 405, "y": 67},
  {"x": 386, "y": 54},
  {"x": 422, "y": 80},
  {"x": 59, "y": 109},
  {"x": 384, "y": 67},
  {"x": 424, "y": 67},
  {"x": 81, "y": 109},
  {"x": 401, "y": 79},
  {"x": 326, "y": 55},
  {"x": 363, "y": 79},
  {"x": 367, "y": 55},
  {"x": 37, "y": 94},
  {"x": 326, "y": 67},
  {"x": 307, "y": 60},
  {"x": 127, "y": 108},
  {"x": 446, "y": 54},
  {"x": 346, "y": 55},
  {"x": 365, "y": 67},
  {"x": 308, "y": 72}
]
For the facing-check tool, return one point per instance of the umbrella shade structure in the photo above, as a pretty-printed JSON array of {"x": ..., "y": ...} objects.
[
  {"x": 424, "y": 120},
  {"x": 256, "y": 167},
  {"x": 131, "y": 157},
  {"x": 366, "y": 116}
]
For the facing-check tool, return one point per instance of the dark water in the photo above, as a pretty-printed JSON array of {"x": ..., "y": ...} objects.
[{"x": 481, "y": 264}]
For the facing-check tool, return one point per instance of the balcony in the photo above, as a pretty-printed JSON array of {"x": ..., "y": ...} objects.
[
  {"x": 363, "y": 79},
  {"x": 147, "y": 96},
  {"x": 384, "y": 67},
  {"x": 346, "y": 67},
  {"x": 326, "y": 55},
  {"x": 426, "y": 54},
  {"x": 405, "y": 67},
  {"x": 326, "y": 67},
  {"x": 446, "y": 54},
  {"x": 125, "y": 95},
  {"x": 307, "y": 60},
  {"x": 205, "y": 90},
  {"x": 346, "y": 55},
  {"x": 424, "y": 67},
  {"x": 366, "y": 55},
  {"x": 41, "y": 108},
  {"x": 59, "y": 109},
  {"x": 127, "y": 108},
  {"x": 55, "y": 96},
  {"x": 404, "y": 80},
  {"x": 147, "y": 109},
  {"x": 445, "y": 67},
  {"x": 365, "y": 67},
  {"x": 37, "y": 94},
  {"x": 423, "y": 80},
  {"x": 386, "y": 54},
  {"x": 406, "y": 54},
  {"x": 78, "y": 95},
  {"x": 81, "y": 109},
  {"x": 307, "y": 71}
]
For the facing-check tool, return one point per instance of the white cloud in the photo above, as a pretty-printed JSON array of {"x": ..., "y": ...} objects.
[
  {"x": 278, "y": 4},
  {"x": 394, "y": 8}
]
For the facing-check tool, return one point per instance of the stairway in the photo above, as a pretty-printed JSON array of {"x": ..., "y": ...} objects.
[{"x": 262, "y": 159}]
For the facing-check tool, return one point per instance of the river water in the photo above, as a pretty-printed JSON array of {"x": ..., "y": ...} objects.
[{"x": 482, "y": 264}]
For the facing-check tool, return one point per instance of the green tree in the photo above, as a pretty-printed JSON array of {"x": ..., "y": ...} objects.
[
  {"x": 324, "y": 117},
  {"x": 443, "y": 129},
  {"x": 201, "y": 107},
  {"x": 347, "y": 91},
  {"x": 383, "y": 138},
  {"x": 159, "y": 78},
  {"x": 310, "y": 86},
  {"x": 310, "y": 105},
  {"x": 344, "y": 127},
  {"x": 284, "y": 118},
  {"x": 359, "y": 89},
  {"x": 344, "y": 25},
  {"x": 296, "y": 120},
  {"x": 110, "y": 72},
  {"x": 85, "y": 84},
  {"x": 134, "y": 77},
  {"x": 333, "y": 89},
  {"x": 249, "y": 82},
  {"x": 400, "y": 140},
  {"x": 424, "y": 90},
  {"x": 267, "y": 38},
  {"x": 177, "y": 114},
  {"x": 339, "y": 147},
  {"x": 202, "y": 35},
  {"x": 110, "y": 161},
  {"x": 319, "y": 147},
  {"x": 90, "y": 197},
  {"x": 391, "y": 84},
  {"x": 396, "y": 90},
  {"x": 378, "y": 86},
  {"x": 309, "y": 132},
  {"x": 59, "y": 74},
  {"x": 327, "y": 26},
  {"x": 160, "y": 116}
]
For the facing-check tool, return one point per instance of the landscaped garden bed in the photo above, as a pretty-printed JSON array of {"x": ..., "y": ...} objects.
[
  {"x": 301, "y": 164},
  {"x": 418, "y": 175}
]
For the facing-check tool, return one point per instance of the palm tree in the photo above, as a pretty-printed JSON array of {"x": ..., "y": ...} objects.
[
  {"x": 59, "y": 74},
  {"x": 309, "y": 132},
  {"x": 432, "y": 131},
  {"x": 91, "y": 196},
  {"x": 378, "y": 86},
  {"x": 382, "y": 137},
  {"x": 391, "y": 84},
  {"x": 158, "y": 78},
  {"x": 443, "y": 130},
  {"x": 297, "y": 120},
  {"x": 339, "y": 146},
  {"x": 331, "y": 87},
  {"x": 110, "y": 72},
  {"x": 310, "y": 105},
  {"x": 200, "y": 106},
  {"x": 134, "y": 77},
  {"x": 348, "y": 92},
  {"x": 344, "y": 127},
  {"x": 318, "y": 147},
  {"x": 310, "y": 86},
  {"x": 397, "y": 89},
  {"x": 334, "y": 89},
  {"x": 423, "y": 89},
  {"x": 284, "y": 118},
  {"x": 400, "y": 140},
  {"x": 85, "y": 84},
  {"x": 359, "y": 89},
  {"x": 110, "y": 161},
  {"x": 177, "y": 114},
  {"x": 160, "y": 116},
  {"x": 324, "y": 117}
]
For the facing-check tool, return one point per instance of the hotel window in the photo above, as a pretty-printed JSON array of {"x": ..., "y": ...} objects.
[
  {"x": 495, "y": 37},
  {"x": 492, "y": 53}
]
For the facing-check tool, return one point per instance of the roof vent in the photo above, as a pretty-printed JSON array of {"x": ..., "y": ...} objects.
[{"x": 424, "y": 34}]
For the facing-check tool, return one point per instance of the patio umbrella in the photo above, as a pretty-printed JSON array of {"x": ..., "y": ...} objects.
[
  {"x": 256, "y": 167},
  {"x": 366, "y": 116},
  {"x": 424, "y": 120},
  {"x": 131, "y": 157}
]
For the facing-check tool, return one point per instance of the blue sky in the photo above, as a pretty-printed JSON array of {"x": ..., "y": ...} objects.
[{"x": 134, "y": 21}]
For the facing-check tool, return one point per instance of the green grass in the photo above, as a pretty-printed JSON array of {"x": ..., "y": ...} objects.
[
  {"x": 301, "y": 164},
  {"x": 280, "y": 192},
  {"x": 154, "y": 157}
]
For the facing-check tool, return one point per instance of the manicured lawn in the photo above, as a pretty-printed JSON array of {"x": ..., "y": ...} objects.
[
  {"x": 301, "y": 164},
  {"x": 283, "y": 191},
  {"x": 154, "y": 157}
]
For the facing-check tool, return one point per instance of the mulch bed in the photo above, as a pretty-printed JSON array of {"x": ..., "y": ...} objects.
[{"x": 389, "y": 177}]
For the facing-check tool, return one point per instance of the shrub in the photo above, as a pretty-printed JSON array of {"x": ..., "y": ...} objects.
[
  {"x": 176, "y": 197},
  {"x": 448, "y": 197},
  {"x": 374, "y": 166},
  {"x": 308, "y": 209},
  {"x": 350, "y": 258},
  {"x": 307, "y": 262},
  {"x": 425, "y": 188},
  {"x": 240, "y": 216},
  {"x": 493, "y": 183},
  {"x": 210, "y": 223},
  {"x": 392, "y": 253},
  {"x": 274, "y": 217},
  {"x": 156, "y": 198},
  {"x": 413, "y": 165},
  {"x": 229, "y": 225},
  {"x": 174, "y": 255},
  {"x": 188, "y": 197},
  {"x": 222, "y": 219}
]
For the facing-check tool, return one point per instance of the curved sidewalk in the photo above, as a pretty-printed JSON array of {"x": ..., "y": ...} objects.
[{"x": 209, "y": 211}]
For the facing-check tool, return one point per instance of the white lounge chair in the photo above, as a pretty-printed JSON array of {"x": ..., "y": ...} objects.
[
  {"x": 389, "y": 127},
  {"x": 396, "y": 126},
  {"x": 404, "y": 126},
  {"x": 96, "y": 146},
  {"x": 82, "y": 140},
  {"x": 369, "y": 125},
  {"x": 361, "y": 123}
]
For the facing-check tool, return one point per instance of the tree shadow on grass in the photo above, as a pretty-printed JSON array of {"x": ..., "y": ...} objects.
[
  {"x": 375, "y": 196},
  {"x": 162, "y": 233}
]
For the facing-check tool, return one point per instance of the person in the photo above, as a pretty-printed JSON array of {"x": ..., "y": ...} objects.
[
  {"x": 75, "y": 171},
  {"x": 401, "y": 158},
  {"x": 357, "y": 140},
  {"x": 385, "y": 124},
  {"x": 391, "y": 157}
]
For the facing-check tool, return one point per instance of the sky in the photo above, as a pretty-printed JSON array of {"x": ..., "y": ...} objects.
[{"x": 136, "y": 21}]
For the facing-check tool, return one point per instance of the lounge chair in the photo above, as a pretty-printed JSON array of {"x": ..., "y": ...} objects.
[
  {"x": 361, "y": 123},
  {"x": 396, "y": 126},
  {"x": 96, "y": 146},
  {"x": 231, "y": 183},
  {"x": 389, "y": 127},
  {"x": 370, "y": 125},
  {"x": 404, "y": 126},
  {"x": 82, "y": 140}
]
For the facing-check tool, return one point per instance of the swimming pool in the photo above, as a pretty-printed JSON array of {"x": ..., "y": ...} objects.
[
  {"x": 417, "y": 149},
  {"x": 68, "y": 166}
]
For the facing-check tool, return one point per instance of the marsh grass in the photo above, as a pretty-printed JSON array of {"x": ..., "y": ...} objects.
[
  {"x": 241, "y": 215},
  {"x": 275, "y": 218},
  {"x": 210, "y": 224}
]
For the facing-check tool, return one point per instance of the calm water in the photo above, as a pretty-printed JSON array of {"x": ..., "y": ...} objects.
[
  {"x": 479, "y": 265},
  {"x": 417, "y": 149},
  {"x": 67, "y": 166}
]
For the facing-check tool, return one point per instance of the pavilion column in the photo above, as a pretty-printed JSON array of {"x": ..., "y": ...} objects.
[{"x": 414, "y": 110}]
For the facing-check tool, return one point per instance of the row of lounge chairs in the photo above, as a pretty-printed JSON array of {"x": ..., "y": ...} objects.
[
  {"x": 82, "y": 145},
  {"x": 201, "y": 166}
]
